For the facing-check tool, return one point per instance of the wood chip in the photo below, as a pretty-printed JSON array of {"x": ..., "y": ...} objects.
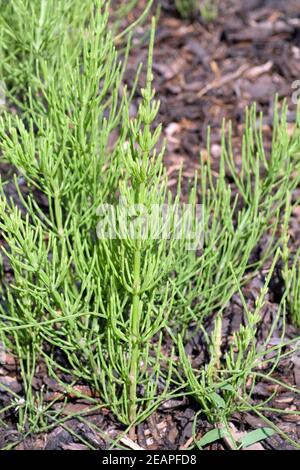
[{"x": 130, "y": 444}]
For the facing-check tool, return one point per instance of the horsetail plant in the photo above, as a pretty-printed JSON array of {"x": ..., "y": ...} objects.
[
  {"x": 104, "y": 303},
  {"x": 241, "y": 207},
  {"x": 98, "y": 300},
  {"x": 226, "y": 384},
  {"x": 125, "y": 304},
  {"x": 291, "y": 269},
  {"x": 66, "y": 154},
  {"x": 35, "y": 31},
  {"x": 292, "y": 283},
  {"x": 188, "y": 8},
  {"x": 143, "y": 260}
]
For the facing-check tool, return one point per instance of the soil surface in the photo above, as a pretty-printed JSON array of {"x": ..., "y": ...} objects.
[{"x": 203, "y": 73}]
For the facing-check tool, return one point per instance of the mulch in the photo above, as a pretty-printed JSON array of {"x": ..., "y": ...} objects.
[{"x": 204, "y": 73}]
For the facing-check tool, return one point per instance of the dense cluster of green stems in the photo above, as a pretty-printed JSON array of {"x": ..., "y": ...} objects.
[
  {"x": 117, "y": 313},
  {"x": 208, "y": 9}
]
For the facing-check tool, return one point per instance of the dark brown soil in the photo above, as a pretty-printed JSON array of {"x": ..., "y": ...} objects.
[{"x": 203, "y": 73}]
